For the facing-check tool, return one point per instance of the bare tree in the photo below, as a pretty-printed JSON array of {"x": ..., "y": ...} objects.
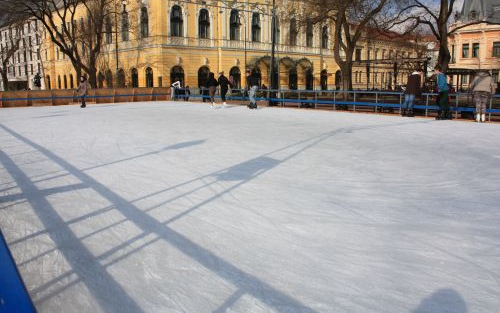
[{"x": 350, "y": 20}]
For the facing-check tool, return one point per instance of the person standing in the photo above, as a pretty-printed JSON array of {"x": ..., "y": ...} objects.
[
  {"x": 482, "y": 87},
  {"x": 175, "y": 89},
  {"x": 443, "y": 89},
  {"x": 413, "y": 89},
  {"x": 82, "y": 90},
  {"x": 224, "y": 86},
  {"x": 212, "y": 87},
  {"x": 252, "y": 85}
]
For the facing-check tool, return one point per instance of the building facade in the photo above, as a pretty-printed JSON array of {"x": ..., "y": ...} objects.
[
  {"x": 26, "y": 62},
  {"x": 158, "y": 42},
  {"x": 475, "y": 47}
]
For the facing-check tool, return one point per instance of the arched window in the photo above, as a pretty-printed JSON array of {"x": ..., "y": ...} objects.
[
  {"x": 324, "y": 38},
  {"x": 309, "y": 79},
  {"x": 120, "y": 78},
  {"x": 293, "y": 32},
  {"x": 100, "y": 80},
  {"x": 109, "y": 31},
  {"x": 203, "y": 24},
  {"x": 59, "y": 81},
  {"x": 109, "y": 79},
  {"x": 177, "y": 74},
  {"x": 71, "y": 84},
  {"x": 149, "y": 77},
  {"x": 125, "y": 25},
  {"x": 203, "y": 76},
  {"x": 176, "y": 22},
  {"x": 235, "y": 72},
  {"x": 135, "y": 78},
  {"x": 48, "y": 84},
  {"x": 309, "y": 34},
  {"x": 144, "y": 22},
  {"x": 324, "y": 80},
  {"x": 278, "y": 32},
  {"x": 256, "y": 27},
  {"x": 234, "y": 25},
  {"x": 65, "y": 79},
  {"x": 292, "y": 79}
]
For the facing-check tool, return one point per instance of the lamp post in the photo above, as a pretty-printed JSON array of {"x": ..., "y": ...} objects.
[
  {"x": 124, "y": 3},
  {"x": 273, "y": 50}
]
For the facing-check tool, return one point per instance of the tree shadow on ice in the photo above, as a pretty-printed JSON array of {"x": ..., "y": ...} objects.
[{"x": 442, "y": 301}]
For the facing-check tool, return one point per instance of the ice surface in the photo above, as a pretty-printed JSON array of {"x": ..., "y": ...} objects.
[{"x": 177, "y": 207}]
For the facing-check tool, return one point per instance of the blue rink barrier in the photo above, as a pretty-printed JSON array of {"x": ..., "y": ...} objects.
[{"x": 14, "y": 297}]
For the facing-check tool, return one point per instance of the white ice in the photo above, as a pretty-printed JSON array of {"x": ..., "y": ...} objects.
[{"x": 178, "y": 207}]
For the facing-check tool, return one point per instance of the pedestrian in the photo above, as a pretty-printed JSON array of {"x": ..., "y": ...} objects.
[
  {"x": 482, "y": 87},
  {"x": 212, "y": 87},
  {"x": 443, "y": 101},
  {"x": 82, "y": 90},
  {"x": 413, "y": 89},
  {"x": 252, "y": 85},
  {"x": 224, "y": 86},
  {"x": 175, "y": 89},
  {"x": 187, "y": 93}
]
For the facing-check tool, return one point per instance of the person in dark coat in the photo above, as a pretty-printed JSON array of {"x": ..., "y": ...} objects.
[
  {"x": 413, "y": 89},
  {"x": 252, "y": 85},
  {"x": 212, "y": 87},
  {"x": 82, "y": 90},
  {"x": 224, "y": 86}
]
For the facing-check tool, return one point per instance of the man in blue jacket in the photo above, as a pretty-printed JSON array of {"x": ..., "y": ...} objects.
[{"x": 443, "y": 88}]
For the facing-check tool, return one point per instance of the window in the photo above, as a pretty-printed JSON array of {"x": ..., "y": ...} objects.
[
  {"x": 203, "y": 76},
  {"x": 324, "y": 38},
  {"x": 475, "y": 50},
  {"x": 309, "y": 79},
  {"x": 234, "y": 25},
  {"x": 135, "y": 78},
  {"x": 465, "y": 79},
  {"x": 292, "y": 79},
  {"x": 203, "y": 24},
  {"x": 309, "y": 34},
  {"x": 176, "y": 22},
  {"x": 59, "y": 82},
  {"x": 125, "y": 26},
  {"x": 120, "y": 78},
  {"x": 144, "y": 23},
  {"x": 278, "y": 31},
  {"x": 496, "y": 49},
  {"x": 177, "y": 74},
  {"x": 369, "y": 54},
  {"x": 149, "y": 77},
  {"x": 324, "y": 80},
  {"x": 65, "y": 79},
  {"x": 465, "y": 50},
  {"x": 255, "y": 27},
  {"x": 293, "y": 32},
  {"x": 358, "y": 55},
  {"x": 109, "y": 31},
  {"x": 48, "y": 83},
  {"x": 71, "y": 84},
  {"x": 235, "y": 72}
]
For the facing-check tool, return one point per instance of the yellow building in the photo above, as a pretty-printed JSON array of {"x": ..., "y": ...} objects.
[{"x": 167, "y": 40}]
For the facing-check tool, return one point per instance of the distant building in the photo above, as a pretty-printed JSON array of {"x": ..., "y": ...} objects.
[
  {"x": 475, "y": 47},
  {"x": 26, "y": 62}
]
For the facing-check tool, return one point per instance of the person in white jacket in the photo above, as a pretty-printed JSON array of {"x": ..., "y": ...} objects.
[
  {"x": 482, "y": 87},
  {"x": 175, "y": 88}
]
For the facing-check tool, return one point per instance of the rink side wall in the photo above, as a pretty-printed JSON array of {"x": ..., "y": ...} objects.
[{"x": 67, "y": 96}]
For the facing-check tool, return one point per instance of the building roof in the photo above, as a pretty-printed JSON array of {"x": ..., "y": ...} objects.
[{"x": 487, "y": 10}]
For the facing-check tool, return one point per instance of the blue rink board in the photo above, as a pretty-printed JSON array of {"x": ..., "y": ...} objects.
[{"x": 13, "y": 294}]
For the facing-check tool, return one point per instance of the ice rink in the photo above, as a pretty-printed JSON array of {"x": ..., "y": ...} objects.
[{"x": 178, "y": 207}]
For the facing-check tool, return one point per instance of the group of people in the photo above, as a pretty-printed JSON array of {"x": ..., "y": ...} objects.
[
  {"x": 224, "y": 83},
  {"x": 482, "y": 88}
]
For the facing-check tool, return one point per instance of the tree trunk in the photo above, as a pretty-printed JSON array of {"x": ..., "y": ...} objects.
[
  {"x": 93, "y": 76},
  {"x": 5, "y": 79},
  {"x": 346, "y": 69},
  {"x": 444, "y": 53}
]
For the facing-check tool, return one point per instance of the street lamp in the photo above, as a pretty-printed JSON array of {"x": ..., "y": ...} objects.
[{"x": 124, "y": 3}]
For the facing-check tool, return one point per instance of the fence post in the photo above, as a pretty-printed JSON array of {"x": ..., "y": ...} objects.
[
  {"x": 489, "y": 114},
  {"x": 426, "y": 104},
  {"x": 400, "y": 103},
  {"x": 354, "y": 103},
  {"x": 376, "y": 101},
  {"x": 334, "y": 100},
  {"x": 315, "y": 100},
  {"x": 298, "y": 98},
  {"x": 456, "y": 105}
]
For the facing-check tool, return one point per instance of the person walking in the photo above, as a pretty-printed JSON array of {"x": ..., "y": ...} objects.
[
  {"x": 443, "y": 89},
  {"x": 212, "y": 87},
  {"x": 224, "y": 84},
  {"x": 413, "y": 89},
  {"x": 82, "y": 90},
  {"x": 252, "y": 85},
  {"x": 482, "y": 87}
]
